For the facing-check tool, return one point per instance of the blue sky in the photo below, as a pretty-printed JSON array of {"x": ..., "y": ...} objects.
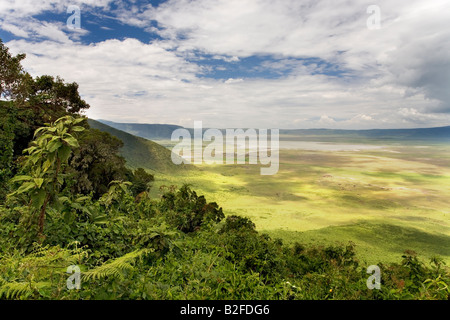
[
  {"x": 102, "y": 25},
  {"x": 254, "y": 63}
]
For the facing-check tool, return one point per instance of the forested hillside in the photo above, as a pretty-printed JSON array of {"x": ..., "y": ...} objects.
[
  {"x": 69, "y": 199},
  {"x": 148, "y": 131},
  {"x": 140, "y": 152}
]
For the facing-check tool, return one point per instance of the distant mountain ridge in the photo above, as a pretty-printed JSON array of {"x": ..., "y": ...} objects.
[
  {"x": 414, "y": 132},
  {"x": 147, "y": 131},
  {"x": 164, "y": 132},
  {"x": 435, "y": 134}
]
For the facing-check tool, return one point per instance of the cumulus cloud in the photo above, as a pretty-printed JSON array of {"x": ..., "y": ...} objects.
[
  {"x": 411, "y": 48},
  {"x": 397, "y": 76},
  {"x": 326, "y": 120},
  {"x": 18, "y": 17}
]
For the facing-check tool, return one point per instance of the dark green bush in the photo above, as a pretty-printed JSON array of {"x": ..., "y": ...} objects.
[{"x": 187, "y": 211}]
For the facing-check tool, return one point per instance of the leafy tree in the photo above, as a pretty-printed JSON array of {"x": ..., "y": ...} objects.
[
  {"x": 141, "y": 181},
  {"x": 96, "y": 163},
  {"x": 12, "y": 75},
  {"x": 55, "y": 97},
  {"x": 34, "y": 102},
  {"x": 7, "y": 125},
  {"x": 43, "y": 166},
  {"x": 188, "y": 211},
  {"x": 12, "y": 88}
]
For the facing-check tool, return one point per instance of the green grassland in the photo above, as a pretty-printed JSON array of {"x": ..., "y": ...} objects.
[{"x": 384, "y": 200}]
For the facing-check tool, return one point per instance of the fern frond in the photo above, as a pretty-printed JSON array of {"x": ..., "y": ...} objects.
[
  {"x": 14, "y": 290},
  {"x": 115, "y": 268}
]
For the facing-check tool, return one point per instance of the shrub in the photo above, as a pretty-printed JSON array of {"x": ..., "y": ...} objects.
[{"x": 187, "y": 211}]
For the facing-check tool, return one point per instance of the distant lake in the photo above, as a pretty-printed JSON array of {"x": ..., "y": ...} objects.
[
  {"x": 325, "y": 146},
  {"x": 302, "y": 145}
]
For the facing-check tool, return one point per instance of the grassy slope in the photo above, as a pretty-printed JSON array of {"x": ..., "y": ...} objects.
[{"x": 140, "y": 152}]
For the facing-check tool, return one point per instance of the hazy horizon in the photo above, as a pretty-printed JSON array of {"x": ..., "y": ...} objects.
[{"x": 172, "y": 124}]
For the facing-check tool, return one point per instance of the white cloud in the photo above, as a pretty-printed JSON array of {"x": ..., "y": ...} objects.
[
  {"x": 15, "y": 30},
  {"x": 28, "y": 8},
  {"x": 231, "y": 80},
  {"x": 326, "y": 120},
  {"x": 18, "y": 17},
  {"x": 410, "y": 49},
  {"x": 412, "y": 115},
  {"x": 397, "y": 76}
]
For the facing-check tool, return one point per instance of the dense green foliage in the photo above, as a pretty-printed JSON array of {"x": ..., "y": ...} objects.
[
  {"x": 137, "y": 250},
  {"x": 71, "y": 201},
  {"x": 140, "y": 152}
]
